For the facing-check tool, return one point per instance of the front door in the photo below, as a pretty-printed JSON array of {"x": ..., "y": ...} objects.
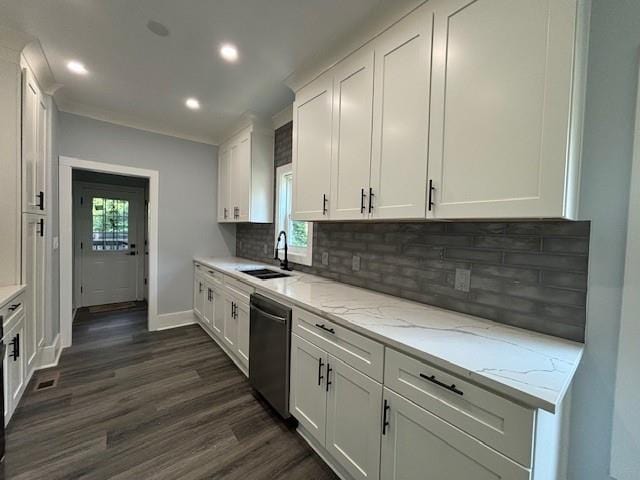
[{"x": 110, "y": 226}]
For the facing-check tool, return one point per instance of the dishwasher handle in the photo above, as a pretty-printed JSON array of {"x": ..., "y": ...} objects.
[{"x": 269, "y": 316}]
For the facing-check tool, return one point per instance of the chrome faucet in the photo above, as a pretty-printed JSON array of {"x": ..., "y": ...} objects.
[{"x": 284, "y": 264}]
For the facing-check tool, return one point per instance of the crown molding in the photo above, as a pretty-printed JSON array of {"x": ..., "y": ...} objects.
[
  {"x": 33, "y": 54},
  {"x": 357, "y": 38},
  {"x": 104, "y": 115}
]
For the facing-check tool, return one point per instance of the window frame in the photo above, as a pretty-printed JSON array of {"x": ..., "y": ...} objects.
[{"x": 303, "y": 256}]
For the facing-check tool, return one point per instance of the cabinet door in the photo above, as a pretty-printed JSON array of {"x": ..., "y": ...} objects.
[
  {"x": 241, "y": 172},
  {"x": 417, "y": 444},
  {"x": 209, "y": 310},
  {"x": 15, "y": 366},
  {"x": 224, "y": 209},
  {"x": 308, "y": 402},
  {"x": 218, "y": 312},
  {"x": 32, "y": 176},
  {"x": 198, "y": 296},
  {"x": 501, "y": 103},
  {"x": 354, "y": 407},
  {"x": 243, "y": 315},
  {"x": 34, "y": 277},
  {"x": 230, "y": 325},
  {"x": 41, "y": 151},
  {"x": 401, "y": 117},
  {"x": 312, "y": 117},
  {"x": 351, "y": 152}
]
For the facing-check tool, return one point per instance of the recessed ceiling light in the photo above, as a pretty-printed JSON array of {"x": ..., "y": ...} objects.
[
  {"x": 229, "y": 52},
  {"x": 192, "y": 103},
  {"x": 77, "y": 67}
]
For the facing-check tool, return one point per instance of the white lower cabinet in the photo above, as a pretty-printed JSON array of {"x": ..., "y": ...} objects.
[
  {"x": 209, "y": 306},
  {"x": 308, "y": 399},
  {"x": 242, "y": 324},
  {"x": 15, "y": 364},
  {"x": 219, "y": 312},
  {"x": 337, "y": 405},
  {"x": 353, "y": 412},
  {"x": 230, "y": 324},
  {"x": 417, "y": 444}
]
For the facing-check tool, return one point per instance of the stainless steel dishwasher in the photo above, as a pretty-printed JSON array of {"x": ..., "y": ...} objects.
[{"x": 269, "y": 351}]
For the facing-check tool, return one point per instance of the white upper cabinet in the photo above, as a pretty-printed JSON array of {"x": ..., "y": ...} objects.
[
  {"x": 245, "y": 177},
  {"x": 223, "y": 184},
  {"x": 401, "y": 117},
  {"x": 351, "y": 152},
  {"x": 503, "y": 75},
  {"x": 312, "y": 135},
  {"x": 34, "y": 121},
  {"x": 476, "y": 113}
]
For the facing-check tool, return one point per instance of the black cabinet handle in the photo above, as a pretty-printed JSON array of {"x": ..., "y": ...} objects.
[
  {"x": 431, "y": 189},
  {"x": 324, "y": 203},
  {"x": 199, "y": 287},
  {"x": 385, "y": 422},
  {"x": 329, "y": 370},
  {"x": 41, "y": 231},
  {"x": 14, "y": 307},
  {"x": 15, "y": 344},
  {"x": 320, "y": 377},
  {"x": 451, "y": 388},
  {"x": 371, "y": 195},
  {"x": 362, "y": 196},
  {"x": 40, "y": 200},
  {"x": 321, "y": 325}
]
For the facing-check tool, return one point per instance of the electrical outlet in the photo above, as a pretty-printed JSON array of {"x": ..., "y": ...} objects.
[
  {"x": 325, "y": 258},
  {"x": 463, "y": 279},
  {"x": 355, "y": 263},
  {"x": 265, "y": 249}
]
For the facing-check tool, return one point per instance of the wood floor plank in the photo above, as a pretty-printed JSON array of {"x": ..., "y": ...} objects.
[{"x": 133, "y": 404}]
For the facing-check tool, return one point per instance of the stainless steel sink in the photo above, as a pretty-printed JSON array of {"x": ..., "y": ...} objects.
[{"x": 265, "y": 273}]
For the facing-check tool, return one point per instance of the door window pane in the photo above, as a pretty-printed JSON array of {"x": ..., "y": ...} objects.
[{"x": 110, "y": 218}]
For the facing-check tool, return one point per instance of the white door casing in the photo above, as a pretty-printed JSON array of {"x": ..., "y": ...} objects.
[{"x": 65, "y": 182}]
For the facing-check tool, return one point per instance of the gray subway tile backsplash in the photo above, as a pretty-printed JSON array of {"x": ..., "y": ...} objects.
[{"x": 527, "y": 274}]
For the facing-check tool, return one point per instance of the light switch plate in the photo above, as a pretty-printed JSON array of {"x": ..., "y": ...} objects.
[
  {"x": 56, "y": 243},
  {"x": 325, "y": 258},
  {"x": 463, "y": 279},
  {"x": 355, "y": 263}
]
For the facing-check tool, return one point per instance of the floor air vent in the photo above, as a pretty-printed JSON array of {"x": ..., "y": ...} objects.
[{"x": 47, "y": 381}]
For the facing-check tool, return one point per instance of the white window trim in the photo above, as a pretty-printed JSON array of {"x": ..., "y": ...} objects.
[{"x": 295, "y": 255}]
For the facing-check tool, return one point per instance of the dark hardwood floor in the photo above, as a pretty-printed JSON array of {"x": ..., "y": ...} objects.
[{"x": 132, "y": 404}]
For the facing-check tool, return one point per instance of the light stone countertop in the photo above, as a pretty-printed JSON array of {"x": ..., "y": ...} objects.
[
  {"x": 529, "y": 367},
  {"x": 10, "y": 291}
]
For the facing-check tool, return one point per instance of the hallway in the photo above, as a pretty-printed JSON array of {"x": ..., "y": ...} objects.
[{"x": 133, "y": 404}]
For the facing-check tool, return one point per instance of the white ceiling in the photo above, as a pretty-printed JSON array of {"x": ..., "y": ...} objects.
[{"x": 139, "y": 79}]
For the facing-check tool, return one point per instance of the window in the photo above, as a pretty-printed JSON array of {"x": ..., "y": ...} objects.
[
  {"x": 299, "y": 234},
  {"x": 110, "y": 218}
]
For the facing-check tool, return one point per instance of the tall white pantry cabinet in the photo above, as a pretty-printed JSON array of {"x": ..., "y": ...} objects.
[
  {"x": 462, "y": 109},
  {"x": 24, "y": 202}
]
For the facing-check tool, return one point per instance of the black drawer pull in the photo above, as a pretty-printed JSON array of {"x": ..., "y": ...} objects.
[
  {"x": 362, "y": 197},
  {"x": 15, "y": 344},
  {"x": 14, "y": 307},
  {"x": 320, "y": 376},
  {"x": 321, "y": 325},
  {"x": 385, "y": 422},
  {"x": 451, "y": 388}
]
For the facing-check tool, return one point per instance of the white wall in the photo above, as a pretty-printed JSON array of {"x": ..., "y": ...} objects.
[
  {"x": 188, "y": 184},
  {"x": 608, "y": 140}
]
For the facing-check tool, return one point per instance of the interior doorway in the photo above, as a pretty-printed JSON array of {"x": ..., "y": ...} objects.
[{"x": 110, "y": 238}]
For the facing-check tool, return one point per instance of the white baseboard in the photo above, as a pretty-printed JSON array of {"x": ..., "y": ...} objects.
[
  {"x": 50, "y": 354},
  {"x": 174, "y": 320}
]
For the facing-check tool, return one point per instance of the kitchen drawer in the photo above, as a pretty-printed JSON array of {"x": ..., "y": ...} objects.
[
  {"x": 492, "y": 419},
  {"x": 210, "y": 274},
  {"x": 360, "y": 352},
  {"x": 12, "y": 310},
  {"x": 238, "y": 289}
]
